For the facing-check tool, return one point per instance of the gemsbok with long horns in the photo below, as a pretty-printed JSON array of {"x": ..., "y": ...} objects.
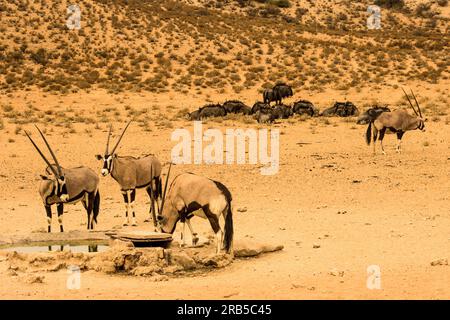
[
  {"x": 398, "y": 121},
  {"x": 133, "y": 173},
  {"x": 61, "y": 186},
  {"x": 187, "y": 194}
]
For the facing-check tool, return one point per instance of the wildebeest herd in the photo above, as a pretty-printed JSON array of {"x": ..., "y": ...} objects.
[{"x": 264, "y": 112}]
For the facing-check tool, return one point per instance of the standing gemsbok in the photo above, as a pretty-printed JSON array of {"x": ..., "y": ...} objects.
[
  {"x": 67, "y": 186},
  {"x": 398, "y": 121},
  {"x": 133, "y": 173},
  {"x": 187, "y": 194}
]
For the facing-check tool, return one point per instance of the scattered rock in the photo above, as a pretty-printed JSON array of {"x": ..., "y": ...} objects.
[
  {"x": 243, "y": 209},
  {"x": 336, "y": 273},
  {"x": 316, "y": 245},
  {"x": 183, "y": 260},
  {"x": 439, "y": 262},
  {"x": 217, "y": 260},
  {"x": 34, "y": 279},
  {"x": 246, "y": 248},
  {"x": 231, "y": 295},
  {"x": 11, "y": 273},
  {"x": 160, "y": 277},
  {"x": 146, "y": 271}
]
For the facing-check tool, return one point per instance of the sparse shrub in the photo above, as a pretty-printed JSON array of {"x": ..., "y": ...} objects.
[
  {"x": 40, "y": 56},
  {"x": 395, "y": 4}
]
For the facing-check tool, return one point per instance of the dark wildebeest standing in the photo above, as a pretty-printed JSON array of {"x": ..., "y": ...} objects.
[
  {"x": 305, "y": 107},
  {"x": 269, "y": 96},
  {"x": 235, "y": 106},
  {"x": 341, "y": 109},
  {"x": 371, "y": 114},
  {"x": 280, "y": 91}
]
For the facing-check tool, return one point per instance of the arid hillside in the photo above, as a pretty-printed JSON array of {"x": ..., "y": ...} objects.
[{"x": 227, "y": 46}]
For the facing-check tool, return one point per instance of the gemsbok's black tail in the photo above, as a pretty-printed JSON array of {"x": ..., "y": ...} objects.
[
  {"x": 228, "y": 229},
  {"x": 369, "y": 133},
  {"x": 159, "y": 187},
  {"x": 228, "y": 236},
  {"x": 96, "y": 207}
]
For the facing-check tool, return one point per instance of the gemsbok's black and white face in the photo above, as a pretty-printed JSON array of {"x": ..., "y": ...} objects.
[
  {"x": 168, "y": 218},
  {"x": 107, "y": 163},
  {"x": 57, "y": 186}
]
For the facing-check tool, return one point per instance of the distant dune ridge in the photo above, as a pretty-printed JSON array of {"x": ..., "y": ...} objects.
[{"x": 221, "y": 45}]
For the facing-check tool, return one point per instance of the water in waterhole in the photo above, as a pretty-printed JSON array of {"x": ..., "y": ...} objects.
[{"x": 56, "y": 247}]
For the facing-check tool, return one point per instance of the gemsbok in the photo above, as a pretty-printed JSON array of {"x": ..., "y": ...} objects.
[
  {"x": 61, "y": 186},
  {"x": 133, "y": 173},
  {"x": 398, "y": 121},
  {"x": 187, "y": 194}
]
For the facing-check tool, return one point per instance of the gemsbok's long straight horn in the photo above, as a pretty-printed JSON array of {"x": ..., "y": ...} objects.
[
  {"x": 165, "y": 188},
  {"x": 407, "y": 97},
  {"x": 42, "y": 155},
  {"x": 120, "y": 138},
  {"x": 417, "y": 103},
  {"x": 51, "y": 151},
  {"x": 109, "y": 138}
]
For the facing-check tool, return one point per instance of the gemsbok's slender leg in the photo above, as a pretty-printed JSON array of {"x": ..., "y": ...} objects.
[
  {"x": 90, "y": 205},
  {"x": 399, "y": 141},
  {"x": 382, "y": 132},
  {"x": 131, "y": 198},
  {"x": 60, "y": 209},
  {"x": 48, "y": 210},
  {"x": 126, "y": 222},
  {"x": 375, "y": 136},
  {"x": 215, "y": 225},
  {"x": 193, "y": 233}
]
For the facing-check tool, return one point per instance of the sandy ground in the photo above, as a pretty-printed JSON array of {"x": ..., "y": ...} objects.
[{"x": 331, "y": 193}]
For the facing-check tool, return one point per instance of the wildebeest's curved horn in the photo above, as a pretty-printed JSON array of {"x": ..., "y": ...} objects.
[
  {"x": 417, "y": 103},
  {"x": 407, "y": 97},
  {"x": 51, "y": 151},
  {"x": 120, "y": 138},
  {"x": 165, "y": 188},
  {"x": 42, "y": 155},
  {"x": 107, "y": 141}
]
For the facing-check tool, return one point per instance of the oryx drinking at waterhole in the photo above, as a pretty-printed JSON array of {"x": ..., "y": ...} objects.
[
  {"x": 133, "y": 173},
  {"x": 187, "y": 194},
  {"x": 398, "y": 121},
  {"x": 60, "y": 186}
]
